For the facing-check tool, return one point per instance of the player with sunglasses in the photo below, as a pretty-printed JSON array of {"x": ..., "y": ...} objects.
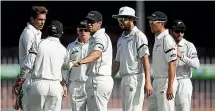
[
  {"x": 99, "y": 84},
  {"x": 187, "y": 59},
  {"x": 163, "y": 65},
  {"x": 132, "y": 61},
  {"x": 77, "y": 76}
]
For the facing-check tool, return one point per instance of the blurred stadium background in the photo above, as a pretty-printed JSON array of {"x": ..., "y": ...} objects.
[{"x": 15, "y": 15}]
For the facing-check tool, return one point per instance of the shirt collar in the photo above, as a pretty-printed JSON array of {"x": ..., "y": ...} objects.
[
  {"x": 31, "y": 27},
  {"x": 182, "y": 42},
  {"x": 102, "y": 30},
  {"x": 77, "y": 41},
  {"x": 161, "y": 35},
  {"x": 53, "y": 39},
  {"x": 131, "y": 33}
]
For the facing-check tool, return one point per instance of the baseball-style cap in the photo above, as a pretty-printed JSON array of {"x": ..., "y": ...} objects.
[
  {"x": 82, "y": 24},
  {"x": 56, "y": 24},
  {"x": 158, "y": 16},
  {"x": 177, "y": 24},
  {"x": 94, "y": 16},
  {"x": 126, "y": 11}
]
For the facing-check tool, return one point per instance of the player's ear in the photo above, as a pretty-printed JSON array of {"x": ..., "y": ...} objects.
[{"x": 31, "y": 19}]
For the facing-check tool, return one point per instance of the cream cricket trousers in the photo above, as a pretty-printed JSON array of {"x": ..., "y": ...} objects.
[
  {"x": 132, "y": 90},
  {"x": 184, "y": 95},
  {"x": 99, "y": 89},
  {"x": 78, "y": 96},
  {"x": 45, "y": 95},
  {"x": 158, "y": 100}
]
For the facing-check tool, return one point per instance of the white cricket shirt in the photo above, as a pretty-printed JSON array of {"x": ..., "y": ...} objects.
[
  {"x": 130, "y": 49},
  {"x": 103, "y": 66},
  {"x": 49, "y": 60},
  {"x": 29, "y": 35},
  {"x": 164, "y": 51},
  {"x": 188, "y": 61},
  {"x": 78, "y": 51}
]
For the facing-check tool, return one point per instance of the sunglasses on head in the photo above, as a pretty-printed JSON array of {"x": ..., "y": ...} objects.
[
  {"x": 155, "y": 22},
  {"x": 83, "y": 30},
  {"x": 91, "y": 21},
  {"x": 179, "y": 30}
]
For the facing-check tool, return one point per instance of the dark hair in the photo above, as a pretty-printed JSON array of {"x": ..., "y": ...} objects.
[{"x": 36, "y": 10}]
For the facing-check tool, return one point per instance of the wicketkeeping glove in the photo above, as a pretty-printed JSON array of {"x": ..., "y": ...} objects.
[{"x": 17, "y": 91}]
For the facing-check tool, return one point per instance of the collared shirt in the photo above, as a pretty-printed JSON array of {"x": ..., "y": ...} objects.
[
  {"x": 188, "y": 61},
  {"x": 130, "y": 49},
  {"x": 103, "y": 66},
  {"x": 50, "y": 58},
  {"x": 29, "y": 36},
  {"x": 164, "y": 51},
  {"x": 78, "y": 51}
]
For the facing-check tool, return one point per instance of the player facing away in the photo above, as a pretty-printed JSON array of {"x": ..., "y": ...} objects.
[
  {"x": 187, "y": 59},
  {"x": 77, "y": 76},
  {"x": 132, "y": 61},
  {"x": 45, "y": 62},
  {"x": 30, "y": 35},
  {"x": 99, "y": 84},
  {"x": 163, "y": 65}
]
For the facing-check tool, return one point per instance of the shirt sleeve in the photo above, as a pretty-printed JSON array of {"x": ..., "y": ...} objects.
[
  {"x": 100, "y": 44},
  {"x": 170, "y": 51},
  {"x": 142, "y": 45},
  {"x": 29, "y": 38},
  {"x": 118, "y": 51},
  {"x": 192, "y": 58}
]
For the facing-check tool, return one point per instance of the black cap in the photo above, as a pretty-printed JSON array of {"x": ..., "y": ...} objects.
[
  {"x": 56, "y": 24},
  {"x": 177, "y": 24},
  {"x": 94, "y": 16},
  {"x": 158, "y": 16},
  {"x": 82, "y": 24}
]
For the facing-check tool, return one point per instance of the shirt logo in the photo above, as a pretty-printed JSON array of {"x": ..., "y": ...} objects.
[{"x": 156, "y": 47}]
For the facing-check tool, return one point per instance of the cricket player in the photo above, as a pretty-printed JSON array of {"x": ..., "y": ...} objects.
[
  {"x": 163, "y": 65},
  {"x": 77, "y": 76},
  {"x": 187, "y": 59},
  {"x": 31, "y": 34},
  {"x": 132, "y": 61},
  {"x": 45, "y": 63},
  {"x": 99, "y": 84}
]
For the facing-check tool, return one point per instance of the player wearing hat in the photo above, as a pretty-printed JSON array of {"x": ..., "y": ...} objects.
[
  {"x": 186, "y": 60},
  {"x": 132, "y": 61},
  {"x": 163, "y": 65},
  {"x": 77, "y": 76},
  {"x": 45, "y": 63},
  {"x": 99, "y": 84}
]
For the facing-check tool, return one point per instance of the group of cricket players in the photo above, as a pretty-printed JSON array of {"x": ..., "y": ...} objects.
[{"x": 90, "y": 66}]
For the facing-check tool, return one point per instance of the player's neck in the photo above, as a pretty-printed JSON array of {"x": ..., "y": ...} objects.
[
  {"x": 129, "y": 29},
  {"x": 160, "y": 31},
  {"x": 83, "y": 40}
]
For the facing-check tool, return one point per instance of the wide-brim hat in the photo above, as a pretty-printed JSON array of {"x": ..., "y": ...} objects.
[{"x": 126, "y": 12}]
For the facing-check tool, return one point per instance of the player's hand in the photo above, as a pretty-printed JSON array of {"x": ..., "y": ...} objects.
[
  {"x": 65, "y": 91},
  {"x": 179, "y": 54},
  {"x": 148, "y": 89},
  {"x": 169, "y": 93},
  {"x": 76, "y": 63}
]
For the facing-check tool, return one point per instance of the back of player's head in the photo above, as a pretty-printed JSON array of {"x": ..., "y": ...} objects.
[
  {"x": 55, "y": 28},
  {"x": 36, "y": 10}
]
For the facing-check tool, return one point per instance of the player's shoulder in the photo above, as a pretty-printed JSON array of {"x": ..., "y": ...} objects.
[
  {"x": 168, "y": 38},
  {"x": 188, "y": 43},
  {"x": 71, "y": 44}
]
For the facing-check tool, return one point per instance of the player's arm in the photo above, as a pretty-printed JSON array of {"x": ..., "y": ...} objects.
[
  {"x": 29, "y": 61},
  {"x": 99, "y": 47},
  {"x": 28, "y": 40},
  {"x": 116, "y": 62},
  {"x": 143, "y": 53},
  {"x": 171, "y": 56},
  {"x": 192, "y": 58}
]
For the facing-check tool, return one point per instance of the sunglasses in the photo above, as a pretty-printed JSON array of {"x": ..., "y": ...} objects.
[
  {"x": 155, "y": 22},
  {"x": 83, "y": 30},
  {"x": 121, "y": 19},
  {"x": 91, "y": 21},
  {"x": 179, "y": 31}
]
